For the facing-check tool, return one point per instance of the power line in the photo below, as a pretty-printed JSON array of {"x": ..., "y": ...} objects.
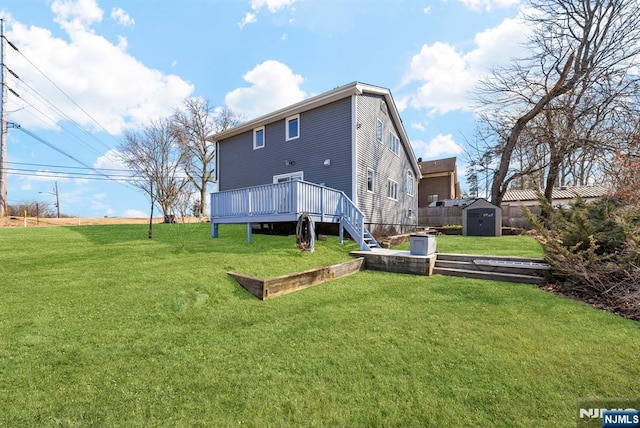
[
  {"x": 70, "y": 167},
  {"x": 54, "y": 174},
  {"x": 63, "y": 114},
  {"x": 67, "y": 96}
]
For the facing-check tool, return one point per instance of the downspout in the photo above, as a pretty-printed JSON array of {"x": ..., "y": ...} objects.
[{"x": 354, "y": 149}]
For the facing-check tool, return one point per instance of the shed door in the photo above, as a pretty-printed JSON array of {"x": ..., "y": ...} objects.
[{"x": 481, "y": 222}]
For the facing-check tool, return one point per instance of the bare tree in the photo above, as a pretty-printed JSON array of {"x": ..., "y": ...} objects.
[
  {"x": 574, "y": 45},
  {"x": 191, "y": 125},
  {"x": 155, "y": 158}
]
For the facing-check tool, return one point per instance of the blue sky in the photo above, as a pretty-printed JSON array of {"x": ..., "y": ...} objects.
[{"x": 89, "y": 69}]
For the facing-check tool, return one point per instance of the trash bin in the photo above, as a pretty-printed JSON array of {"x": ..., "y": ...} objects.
[{"x": 422, "y": 245}]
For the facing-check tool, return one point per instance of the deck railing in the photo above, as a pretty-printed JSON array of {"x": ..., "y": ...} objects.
[{"x": 286, "y": 202}]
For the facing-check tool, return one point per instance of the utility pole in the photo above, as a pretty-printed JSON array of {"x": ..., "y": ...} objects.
[
  {"x": 57, "y": 199},
  {"x": 3, "y": 127}
]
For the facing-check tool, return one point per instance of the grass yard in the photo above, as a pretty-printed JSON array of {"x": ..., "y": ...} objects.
[
  {"x": 515, "y": 245},
  {"x": 102, "y": 327}
]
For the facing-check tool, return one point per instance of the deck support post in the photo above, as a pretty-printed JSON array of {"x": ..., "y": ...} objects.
[
  {"x": 341, "y": 233},
  {"x": 249, "y": 231},
  {"x": 214, "y": 230}
]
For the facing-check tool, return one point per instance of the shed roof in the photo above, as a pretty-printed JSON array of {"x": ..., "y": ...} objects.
[
  {"x": 341, "y": 92},
  {"x": 558, "y": 193}
]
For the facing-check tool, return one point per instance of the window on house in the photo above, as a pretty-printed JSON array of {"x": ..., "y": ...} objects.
[
  {"x": 394, "y": 143},
  {"x": 379, "y": 131},
  {"x": 392, "y": 190},
  {"x": 370, "y": 179},
  {"x": 293, "y": 127},
  {"x": 411, "y": 183},
  {"x": 258, "y": 138},
  {"x": 432, "y": 198},
  {"x": 292, "y": 176}
]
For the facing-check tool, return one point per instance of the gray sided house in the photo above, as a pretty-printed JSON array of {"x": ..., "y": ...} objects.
[{"x": 350, "y": 139}]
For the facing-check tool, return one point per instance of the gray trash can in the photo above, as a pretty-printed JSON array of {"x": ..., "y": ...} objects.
[{"x": 422, "y": 245}]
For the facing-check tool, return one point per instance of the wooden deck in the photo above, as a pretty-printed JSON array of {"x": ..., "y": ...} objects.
[{"x": 285, "y": 202}]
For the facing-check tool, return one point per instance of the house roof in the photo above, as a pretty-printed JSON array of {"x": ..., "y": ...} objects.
[
  {"x": 348, "y": 90},
  {"x": 558, "y": 193},
  {"x": 438, "y": 166}
]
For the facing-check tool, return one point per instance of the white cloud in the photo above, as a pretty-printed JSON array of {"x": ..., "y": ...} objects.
[
  {"x": 122, "y": 17},
  {"x": 273, "y": 86},
  {"x": 135, "y": 214},
  {"x": 417, "y": 125},
  {"x": 115, "y": 88},
  {"x": 488, "y": 5},
  {"x": 446, "y": 75},
  {"x": 437, "y": 147},
  {"x": 111, "y": 164},
  {"x": 249, "y": 18},
  {"x": 76, "y": 15},
  {"x": 273, "y": 6}
]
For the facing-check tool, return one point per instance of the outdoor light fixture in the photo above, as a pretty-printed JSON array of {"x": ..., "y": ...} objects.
[
  {"x": 289, "y": 162},
  {"x": 327, "y": 162}
]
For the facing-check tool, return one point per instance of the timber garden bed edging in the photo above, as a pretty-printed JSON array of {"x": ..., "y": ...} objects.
[{"x": 277, "y": 286}]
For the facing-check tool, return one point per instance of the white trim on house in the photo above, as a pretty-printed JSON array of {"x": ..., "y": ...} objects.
[
  {"x": 393, "y": 143},
  {"x": 379, "y": 130},
  {"x": 392, "y": 189},
  {"x": 411, "y": 183},
  {"x": 291, "y": 176},
  {"x": 255, "y": 139},
  {"x": 295, "y": 117},
  {"x": 373, "y": 180}
]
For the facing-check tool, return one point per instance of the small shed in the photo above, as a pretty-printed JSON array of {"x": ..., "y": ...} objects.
[{"x": 481, "y": 218}]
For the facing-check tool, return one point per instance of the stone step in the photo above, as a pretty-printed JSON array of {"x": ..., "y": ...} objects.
[
  {"x": 471, "y": 257},
  {"x": 494, "y": 276},
  {"x": 520, "y": 268}
]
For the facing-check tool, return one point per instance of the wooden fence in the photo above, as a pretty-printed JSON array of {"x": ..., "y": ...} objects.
[{"x": 512, "y": 216}]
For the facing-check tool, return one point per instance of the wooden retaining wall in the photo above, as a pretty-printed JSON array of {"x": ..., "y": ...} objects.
[{"x": 279, "y": 285}]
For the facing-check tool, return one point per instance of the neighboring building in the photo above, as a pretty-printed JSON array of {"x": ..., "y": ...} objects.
[
  {"x": 562, "y": 196},
  {"x": 439, "y": 181},
  {"x": 513, "y": 200},
  {"x": 350, "y": 139}
]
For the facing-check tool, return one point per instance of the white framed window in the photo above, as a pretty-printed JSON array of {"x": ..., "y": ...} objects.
[
  {"x": 392, "y": 190},
  {"x": 292, "y": 176},
  {"x": 292, "y": 127},
  {"x": 394, "y": 143},
  {"x": 258, "y": 138},
  {"x": 370, "y": 180},
  {"x": 379, "y": 131},
  {"x": 411, "y": 183},
  {"x": 432, "y": 198}
]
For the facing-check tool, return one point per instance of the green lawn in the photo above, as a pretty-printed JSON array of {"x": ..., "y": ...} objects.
[
  {"x": 100, "y": 326},
  {"x": 522, "y": 246}
]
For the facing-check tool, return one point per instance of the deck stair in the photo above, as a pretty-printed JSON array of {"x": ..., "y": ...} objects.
[
  {"x": 497, "y": 268},
  {"x": 369, "y": 240}
]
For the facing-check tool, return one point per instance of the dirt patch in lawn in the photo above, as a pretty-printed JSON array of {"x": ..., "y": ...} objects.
[{"x": 627, "y": 309}]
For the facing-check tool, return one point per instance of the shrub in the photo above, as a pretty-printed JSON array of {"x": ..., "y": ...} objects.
[{"x": 594, "y": 250}]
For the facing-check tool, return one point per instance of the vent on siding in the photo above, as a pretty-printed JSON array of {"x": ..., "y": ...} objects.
[{"x": 383, "y": 106}]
